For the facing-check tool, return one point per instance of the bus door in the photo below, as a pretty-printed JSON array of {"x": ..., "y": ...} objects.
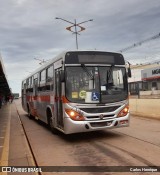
[
  {"x": 35, "y": 89},
  {"x": 58, "y": 98},
  {"x": 24, "y": 99}
]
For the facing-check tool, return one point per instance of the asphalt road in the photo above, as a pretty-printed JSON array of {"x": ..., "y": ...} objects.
[{"x": 137, "y": 145}]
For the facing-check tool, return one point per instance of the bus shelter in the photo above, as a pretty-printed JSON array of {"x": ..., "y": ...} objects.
[{"x": 4, "y": 86}]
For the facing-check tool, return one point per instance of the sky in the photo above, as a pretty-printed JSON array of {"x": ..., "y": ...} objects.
[{"x": 28, "y": 30}]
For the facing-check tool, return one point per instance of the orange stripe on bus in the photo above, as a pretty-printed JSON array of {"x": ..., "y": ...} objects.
[
  {"x": 64, "y": 100},
  {"x": 46, "y": 98}
]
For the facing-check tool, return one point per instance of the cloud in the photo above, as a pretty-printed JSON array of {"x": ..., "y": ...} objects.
[{"x": 29, "y": 29}]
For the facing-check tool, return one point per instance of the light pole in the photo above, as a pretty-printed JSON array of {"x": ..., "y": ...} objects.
[
  {"x": 75, "y": 25},
  {"x": 42, "y": 61}
]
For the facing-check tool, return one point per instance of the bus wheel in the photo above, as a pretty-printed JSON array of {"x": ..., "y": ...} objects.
[
  {"x": 29, "y": 112},
  {"x": 50, "y": 122}
]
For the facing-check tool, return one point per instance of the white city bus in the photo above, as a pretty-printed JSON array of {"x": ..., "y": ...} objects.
[{"x": 79, "y": 91}]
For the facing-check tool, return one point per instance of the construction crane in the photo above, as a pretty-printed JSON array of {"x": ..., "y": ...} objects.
[{"x": 140, "y": 43}]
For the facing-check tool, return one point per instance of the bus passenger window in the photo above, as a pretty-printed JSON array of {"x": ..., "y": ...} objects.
[
  {"x": 43, "y": 76},
  {"x": 42, "y": 81},
  {"x": 49, "y": 74}
]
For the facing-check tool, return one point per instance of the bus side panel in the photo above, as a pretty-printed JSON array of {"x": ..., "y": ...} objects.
[{"x": 42, "y": 103}]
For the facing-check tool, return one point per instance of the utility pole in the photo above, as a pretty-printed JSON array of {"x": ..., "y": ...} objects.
[{"x": 75, "y": 25}]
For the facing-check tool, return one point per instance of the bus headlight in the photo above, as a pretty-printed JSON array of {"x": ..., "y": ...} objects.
[
  {"x": 74, "y": 115},
  {"x": 124, "y": 111}
]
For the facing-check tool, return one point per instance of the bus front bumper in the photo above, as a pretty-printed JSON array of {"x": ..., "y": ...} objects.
[{"x": 72, "y": 126}]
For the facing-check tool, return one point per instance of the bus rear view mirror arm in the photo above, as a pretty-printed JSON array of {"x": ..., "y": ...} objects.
[
  {"x": 129, "y": 72},
  {"x": 129, "y": 69}
]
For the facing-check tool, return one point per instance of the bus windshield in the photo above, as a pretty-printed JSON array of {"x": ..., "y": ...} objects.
[{"x": 96, "y": 84}]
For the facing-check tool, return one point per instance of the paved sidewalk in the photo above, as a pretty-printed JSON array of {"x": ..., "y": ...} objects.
[
  {"x": 4, "y": 139},
  {"x": 14, "y": 150}
]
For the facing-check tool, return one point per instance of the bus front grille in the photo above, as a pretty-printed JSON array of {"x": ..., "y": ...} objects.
[
  {"x": 99, "y": 117},
  {"x": 100, "y": 109}
]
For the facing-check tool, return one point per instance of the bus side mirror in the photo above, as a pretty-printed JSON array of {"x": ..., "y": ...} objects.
[
  {"x": 129, "y": 72},
  {"x": 62, "y": 76}
]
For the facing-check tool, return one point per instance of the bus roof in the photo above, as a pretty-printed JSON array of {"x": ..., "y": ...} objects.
[
  {"x": 61, "y": 55},
  {"x": 46, "y": 64}
]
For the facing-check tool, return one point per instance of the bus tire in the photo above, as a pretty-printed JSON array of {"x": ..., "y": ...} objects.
[
  {"x": 50, "y": 122},
  {"x": 29, "y": 112}
]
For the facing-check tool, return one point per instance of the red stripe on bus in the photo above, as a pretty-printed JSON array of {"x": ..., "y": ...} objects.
[
  {"x": 43, "y": 98},
  {"x": 46, "y": 98},
  {"x": 64, "y": 100}
]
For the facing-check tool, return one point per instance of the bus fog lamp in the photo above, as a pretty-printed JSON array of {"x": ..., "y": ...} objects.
[
  {"x": 109, "y": 123},
  {"x": 123, "y": 122}
]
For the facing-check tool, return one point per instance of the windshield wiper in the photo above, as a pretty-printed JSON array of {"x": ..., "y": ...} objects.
[
  {"x": 91, "y": 76},
  {"x": 87, "y": 71},
  {"x": 109, "y": 73}
]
